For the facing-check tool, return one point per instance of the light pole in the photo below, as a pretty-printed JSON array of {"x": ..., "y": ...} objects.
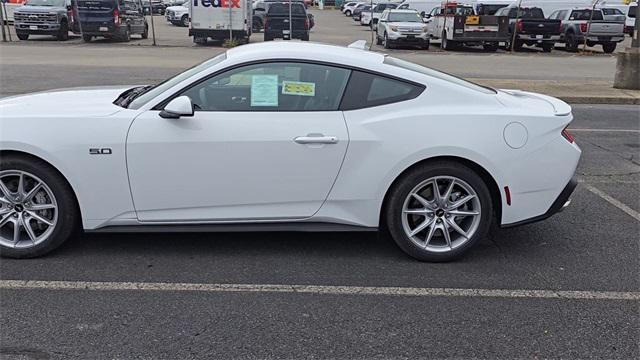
[{"x": 628, "y": 65}]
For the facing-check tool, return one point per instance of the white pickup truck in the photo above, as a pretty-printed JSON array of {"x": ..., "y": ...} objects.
[
  {"x": 575, "y": 27},
  {"x": 457, "y": 24}
]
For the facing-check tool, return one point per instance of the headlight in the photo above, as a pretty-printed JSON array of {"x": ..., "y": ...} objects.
[{"x": 393, "y": 28}]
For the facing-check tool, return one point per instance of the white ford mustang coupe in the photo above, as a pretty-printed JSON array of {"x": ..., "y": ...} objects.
[{"x": 284, "y": 136}]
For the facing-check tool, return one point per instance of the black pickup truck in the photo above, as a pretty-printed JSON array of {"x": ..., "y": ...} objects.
[
  {"x": 282, "y": 23},
  {"x": 531, "y": 28}
]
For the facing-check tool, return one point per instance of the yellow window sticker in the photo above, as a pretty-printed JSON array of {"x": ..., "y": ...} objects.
[{"x": 298, "y": 88}]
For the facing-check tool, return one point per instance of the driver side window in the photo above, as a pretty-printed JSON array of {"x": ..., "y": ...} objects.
[{"x": 280, "y": 86}]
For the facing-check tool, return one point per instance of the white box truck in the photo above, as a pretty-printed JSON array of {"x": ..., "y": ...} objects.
[{"x": 220, "y": 19}]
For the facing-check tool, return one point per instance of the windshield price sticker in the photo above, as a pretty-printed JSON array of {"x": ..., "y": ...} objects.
[
  {"x": 298, "y": 88},
  {"x": 264, "y": 90}
]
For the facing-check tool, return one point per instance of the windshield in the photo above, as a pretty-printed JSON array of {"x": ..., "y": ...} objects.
[
  {"x": 283, "y": 8},
  {"x": 585, "y": 15},
  {"x": 171, "y": 82},
  {"x": 527, "y": 13},
  {"x": 612, "y": 12},
  {"x": 57, "y": 3},
  {"x": 438, "y": 75},
  {"x": 405, "y": 17}
]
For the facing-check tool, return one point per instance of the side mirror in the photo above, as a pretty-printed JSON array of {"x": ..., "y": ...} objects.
[{"x": 178, "y": 107}]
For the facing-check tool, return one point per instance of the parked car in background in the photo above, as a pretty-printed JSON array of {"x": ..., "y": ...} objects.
[
  {"x": 457, "y": 24},
  {"x": 370, "y": 17},
  {"x": 349, "y": 7},
  {"x": 112, "y": 19},
  {"x": 179, "y": 14},
  {"x": 157, "y": 6},
  {"x": 45, "y": 17},
  {"x": 631, "y": 18},
  {"x": 422, "y": 6},
  {"x": 531, "y": 28},
  {"x": 357, "y": 12},
  {"x": 575, "y": 28},
  {"x": 260, "y": 13},
  {"x": 401, "y": 27},
  {"x": 283, "y": 22}
]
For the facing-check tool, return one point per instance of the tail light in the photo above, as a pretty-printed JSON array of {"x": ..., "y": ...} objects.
[
  {"x": 266, "y": 22},
  {"x": 306, "y": 23},
  {"x": 583, "y": 27},
  {"x": 116, "y": 16},
  {"x": 519, "y": 25},
  {"x": 566, "y": 135}
]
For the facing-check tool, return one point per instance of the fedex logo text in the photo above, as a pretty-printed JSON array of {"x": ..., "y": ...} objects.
[{"x": 218, "y": 3}]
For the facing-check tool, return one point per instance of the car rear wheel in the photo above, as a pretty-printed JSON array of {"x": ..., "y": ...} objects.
[
  {"x": 184, "y": 20},
  {"x": 347, "y": 13},
  {"x": 608, "y": 48},
  {"x": 87, "y": 38},
  {"x": 490, "y": 47},
  {"x": 438, "y": 211},
  {"x": 145, "y": 33},
  {"x": 571, "y": 44},
  {"x": 547, "y": 47},
  {"x": 37, "y": 208},
  {"x": 447, "y": 44},
  {"x": 126, "y": 36}
]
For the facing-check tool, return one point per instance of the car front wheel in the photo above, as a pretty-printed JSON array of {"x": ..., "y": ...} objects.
[
  {"x": 438, "y": 211},
  {"x": 37, "y": 208}
]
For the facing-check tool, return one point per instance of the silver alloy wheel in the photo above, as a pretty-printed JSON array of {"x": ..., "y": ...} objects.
[
  {"x": 441, "y": 213},
  {"x": 28, "y": 209}
]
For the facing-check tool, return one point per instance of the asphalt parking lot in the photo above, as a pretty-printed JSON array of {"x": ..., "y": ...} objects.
[{"x": 568, "y": 287}]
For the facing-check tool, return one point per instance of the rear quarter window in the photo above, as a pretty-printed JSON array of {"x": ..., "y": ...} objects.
[{"x": 366, "y": 90}]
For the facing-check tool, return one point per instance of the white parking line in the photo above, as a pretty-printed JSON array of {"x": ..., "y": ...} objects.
[
  {"x": 605, "y": 130},
  {"x": 318, "y": 289},
  {"x": 615, "y": 202}
]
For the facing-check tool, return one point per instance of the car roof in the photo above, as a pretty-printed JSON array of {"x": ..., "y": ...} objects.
[
  {"x": 402, "y": 11},
  {"x": 304, "y": 50}
]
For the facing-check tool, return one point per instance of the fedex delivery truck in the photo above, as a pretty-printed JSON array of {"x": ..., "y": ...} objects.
[{"x": 220, "y": 19}]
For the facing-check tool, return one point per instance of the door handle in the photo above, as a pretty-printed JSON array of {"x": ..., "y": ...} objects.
[{"x": 317, "y": 139}]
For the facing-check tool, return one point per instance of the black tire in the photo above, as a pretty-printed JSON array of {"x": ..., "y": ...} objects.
[
  {"x": 426, "y": 45},
  {"x": 23, "y": 35},
  {"x": 517, "y": 45},
  {"x": 378, "y": 40},
  {"x": 126, "y": 35},
  {"x": 63, "y": 33},
  {"x": 548, "y": 47},
  {"x": 145, "y": 33},
  {"x": 492, "y": 47},
  {"x": 571, "y": 44},
  {"x": 87, "y": 38},
  {"x": 200, "y": 40},
  {"x": 400, "y": 191},
  {"x": 68, "y": 219},
  {"x": 305, "y": 37},
  {"x": 184, "y": 20},
  {"x": 385, "y": 42},
  {"x": 609, "y": 47},
  {"x": 348, "y": 13},
  {"x": 267, "y": 38},
  {"x": 447, "y": 44}
]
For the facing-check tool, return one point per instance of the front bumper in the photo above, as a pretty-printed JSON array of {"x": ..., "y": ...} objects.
[
  {"x": 44, "y": 29},
  {"x": 562, "y": 201},
  {"x": 539, "y": 38}
]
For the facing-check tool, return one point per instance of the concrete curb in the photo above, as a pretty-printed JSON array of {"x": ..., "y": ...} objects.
[{"x": 600, "y": 100}]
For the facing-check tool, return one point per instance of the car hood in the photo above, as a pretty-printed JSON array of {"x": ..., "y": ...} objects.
[
  {"x": 86, "y": 102},
  {"x": 40, "y": 9},
  {"x": 178, "y": 8}
]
